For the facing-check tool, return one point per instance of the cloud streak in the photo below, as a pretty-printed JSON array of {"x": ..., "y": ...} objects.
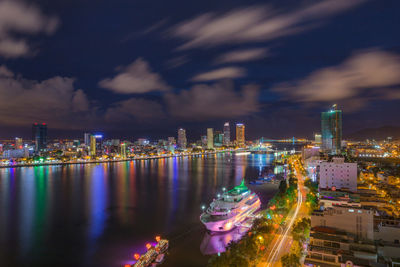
[
  {"x": 363, "y": 77},
  {"x": 137, "y": 78},
  {"x": 244, "y": 55},
  {"x": 254, "y": 24},
  {"x": 18, "y": 18},
  {"x": 219, "y": 74}
]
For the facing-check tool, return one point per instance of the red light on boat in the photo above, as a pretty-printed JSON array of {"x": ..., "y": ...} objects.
[
  {"x": 148, "y": 246},
  {"x": 158, "y": 238},
  {"x": 127, "y": 265},
  {"x": 136, "y": 256}
]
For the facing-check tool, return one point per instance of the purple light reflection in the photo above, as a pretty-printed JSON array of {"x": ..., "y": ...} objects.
[{"x": 217, "y": 243}]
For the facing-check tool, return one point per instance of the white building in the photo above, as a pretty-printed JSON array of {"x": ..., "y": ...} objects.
[
  {"x": 338, "y": 175},
  {"x": 357, "y": 221}
]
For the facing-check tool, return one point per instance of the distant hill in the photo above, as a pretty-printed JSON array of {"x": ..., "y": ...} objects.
[{"x": 375, "y": 133}]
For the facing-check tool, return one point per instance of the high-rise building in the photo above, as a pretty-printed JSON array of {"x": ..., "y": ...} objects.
[
  {"x": 331, "y": 125},
  {"x": 227, "y": 133},
  {"x": 39, "y": 136},
  {"x": 210, "y": 138},
  {"x": 203, "y": 141},
  {"x": 240, "y": 137},
  {"x": 123, "y": 150},
  {"x": 92, "y": 148},
  {"x": 182, "y": 140},
  {"x": 218, "y": 138},
  {"x": 87, "y": 139},
  {"x": 171, "y": 141},
  {"x": 318, "y": 139},
  {"x": 18, "y": 143}
]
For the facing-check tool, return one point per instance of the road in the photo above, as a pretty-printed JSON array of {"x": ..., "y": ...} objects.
[{"x": 281, "y": 243}]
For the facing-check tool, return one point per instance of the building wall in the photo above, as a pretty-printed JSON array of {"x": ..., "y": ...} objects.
[
  {"x": 352, "y": 220},
  {"x": 338, "y": 175},
  {"x": 210, "y": 138}
]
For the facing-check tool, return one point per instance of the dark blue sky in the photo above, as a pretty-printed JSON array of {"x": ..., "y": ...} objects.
[{"x": 144, "y": 68}]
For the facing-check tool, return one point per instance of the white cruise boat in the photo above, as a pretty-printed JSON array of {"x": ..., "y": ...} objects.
[{"x": 229, "y": 210}]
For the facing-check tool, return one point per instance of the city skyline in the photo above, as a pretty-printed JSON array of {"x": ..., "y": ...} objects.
[{"x": 151, "y": 72}]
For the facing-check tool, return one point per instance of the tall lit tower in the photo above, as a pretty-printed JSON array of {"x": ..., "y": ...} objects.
[
  {"x": 227, "y": 133},
  {"x": 87, "y": 139},
  {"x": 331, "y": 126},
  {"x": 18, "y": 143},
  {"x": 123, "y": 150},
  {"x": 210, "y": 138},
  {"x": 240, "y": 137},
  {"x": 92, "y": 148},
  {"x": 39, "y": 136},
  {"x": 182, "y": 141}
]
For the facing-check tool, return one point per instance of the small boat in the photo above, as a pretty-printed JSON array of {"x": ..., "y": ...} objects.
[{"x": 154, "y": 254}]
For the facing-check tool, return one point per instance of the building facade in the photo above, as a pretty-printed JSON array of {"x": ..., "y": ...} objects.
[
  {"x": 182, "y": 141},
  {"x": 331, "y": 126},
  {"x": 356, "y": 221},
  {"x": 39, "y": 136},
  {"x": 338, "y": 175},
  {"x": 210, "y": 138},
  {"x": 227, "y": 133},
  {"x": 240, "y": 134}
]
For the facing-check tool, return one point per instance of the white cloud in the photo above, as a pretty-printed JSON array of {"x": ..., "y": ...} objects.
[
  {"x": 5, "y": 72},
  {"x": 242, "y": 55},
  {"x": 135, "y": 78},
  {"x": 361, "y": 78},
  {"x": 18, "y": 18},
  {"x": 54, "y": 101},
  {"x": 218, "y": 74},
  {"x": 253, "y": 24},
  {"x": 220, "y": 100}
]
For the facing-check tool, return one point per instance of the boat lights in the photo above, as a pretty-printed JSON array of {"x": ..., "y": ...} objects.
[{"x": 136, "y": 256}]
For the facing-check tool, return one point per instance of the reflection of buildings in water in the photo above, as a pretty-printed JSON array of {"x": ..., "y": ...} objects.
[{"x": 217, "y": 243}]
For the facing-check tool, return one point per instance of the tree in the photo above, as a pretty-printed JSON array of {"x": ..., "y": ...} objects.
[
  {"x": 290, "y": 260},
  {"x": 282, "y": 187},
  {"x": 301, "y": 230}
]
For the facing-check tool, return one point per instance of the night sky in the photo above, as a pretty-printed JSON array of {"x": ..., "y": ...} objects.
[{"x": 136, "y": 68}]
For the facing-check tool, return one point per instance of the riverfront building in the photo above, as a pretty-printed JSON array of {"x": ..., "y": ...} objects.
[
  {"x": 240, "y": 135},
  {"x": 39, "y": 136},
  {"x": 210, "y": 138},
  {"x": 227, "y": 133},
  {"x": 331, "y": 125},
  {"x": 182, "y": 141}
]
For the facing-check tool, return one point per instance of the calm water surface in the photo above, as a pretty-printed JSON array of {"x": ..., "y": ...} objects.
[{"x": 101, "y": 214}]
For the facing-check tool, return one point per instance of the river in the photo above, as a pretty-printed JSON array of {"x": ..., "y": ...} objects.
[{"x": 101, "y": 214}]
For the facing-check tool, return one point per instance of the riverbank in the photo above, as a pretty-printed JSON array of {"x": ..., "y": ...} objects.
[{"x": 110, "y": 160}]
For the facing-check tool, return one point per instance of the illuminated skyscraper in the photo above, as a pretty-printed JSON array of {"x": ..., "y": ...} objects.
[
  {"x": 318, "y": 139},
  {"x": 18, "y": 143},
  {"x": 123, "y": 150},
  {"x": 210, "y": 138},
  {"x": 92, "y": 149},
  {"x": 218, "y": 138},
  {"x": 39, "y": 136},
  {"x": 331, "y": 125},
  {"x": 240, "y": 137},
  {"x": 227, "y": 133},
  {"x": 182, "y": 141},
  {"x": 87, "y": 139}
]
